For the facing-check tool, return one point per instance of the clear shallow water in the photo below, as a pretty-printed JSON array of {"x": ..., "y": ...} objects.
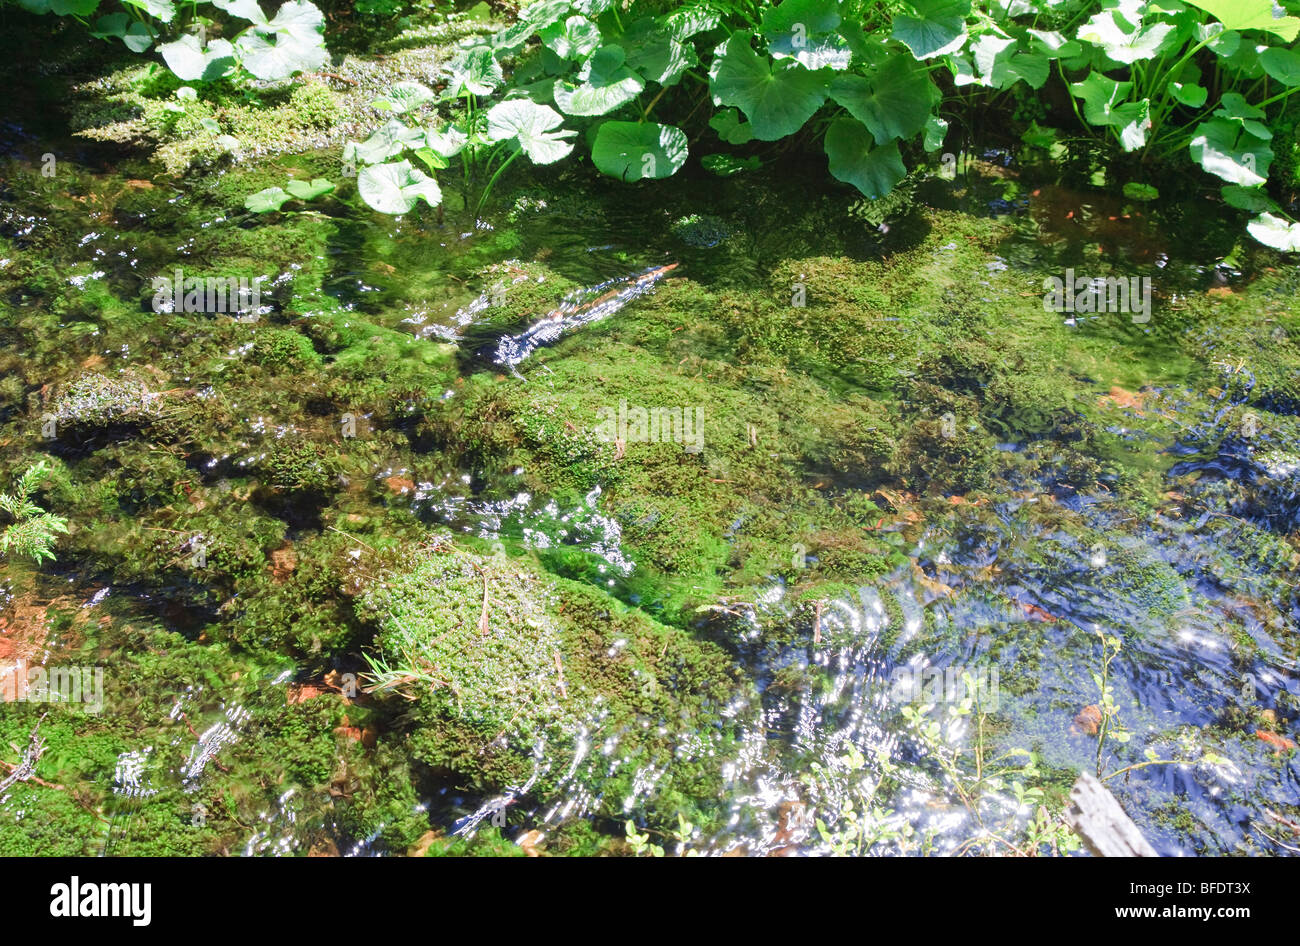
[{"x": 994, "y": 586}]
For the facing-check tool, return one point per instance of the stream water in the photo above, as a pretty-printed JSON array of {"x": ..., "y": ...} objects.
[{"x": 1019, "y": 586}]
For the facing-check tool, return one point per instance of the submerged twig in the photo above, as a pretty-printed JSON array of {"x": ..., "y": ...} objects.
[
  {"x": 559, "y": 669},
  {"x": 25, "y": 770},
  {"x": 483, "y": 627}
]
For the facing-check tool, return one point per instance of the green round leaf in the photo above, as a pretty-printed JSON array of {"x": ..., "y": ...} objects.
[
  {"x": 395, "y": 188},
  {"x": 575, "y": 38},
  {"x": 1250, "y": 15},
  {"x": 1253, "y": 199},
  {"x": 1225, "y": 150},
  {"x": 277, "y": 55},
  {"x": 244, "y": 9},
  {"x": 430, "y": 159},
  {"x": 936, "y": 130},
  {"x": 137, "y": 38},
  {"x": 475, "y": 71},
  {"x": 778, "y": 97},
  {"x": 688, "y": 21},
  {"x": 404, "y": 96},
  {"x": 1002, "y": 63},
  {"x": 265, "y": 201},
  {"x": 309, "y": 190},
  {"x": 532, "y": 127},
  {"x": 531, "y": 19},
  {"x": 1275, "y": 232},
  {"x": 1282, "y": 64},
  {"x": 1125, "y": 42},
  {"x": 894, "y": 103},
  {"x": 794, "y": 16},
  {"x": 301, "y": 20},
  {"x": 587, "y": 99},
  {"x": 112, "y": 25},
  {"x": 292, "y": 42},
  {"x": 804, "y": 30},
  {"x": 1188, "y": 93},
  {"x": 656, "y": 54},
  {"x": 388, "y": 141},
  {"x": 189, "y": 61},
  {"x": 938, "y": 29},
  {"x": 631, "y": 151},
  {"x": 446, "y": 142},
  {"x": 184, "y": 58},
  {"x": 1105, "y": 103},
  {"x": 872, "y": 170}
]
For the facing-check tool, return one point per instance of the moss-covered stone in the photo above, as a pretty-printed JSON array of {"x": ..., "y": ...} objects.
[{"x": 497, "y": 656}]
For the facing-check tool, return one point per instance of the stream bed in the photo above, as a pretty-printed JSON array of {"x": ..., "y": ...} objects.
[{"x": 934, "y": 550}]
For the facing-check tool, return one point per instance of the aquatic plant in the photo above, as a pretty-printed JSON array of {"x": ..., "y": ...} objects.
[
  {"x": 994, "y": 789},
  {"x": 266, "y": 49},
  {"x": 488, "y": 141},
  {"x": 1108, "y": 724},
  {"x": 860, "y": 78},
  {"x": 856, "y": 816},
  {"x": 33, "y": 530},
  {"x": 273, "y": 198}
]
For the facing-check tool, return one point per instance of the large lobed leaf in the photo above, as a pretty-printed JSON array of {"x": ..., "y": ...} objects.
[
  {"x": 805, "y": 30},
  {"x": 1275, "y": 232},
  {"x": 395, "y": 188},
  {"x": 1226, "y": 150},
  {"x": 604, "y": 84},
  {"x": 189, "y": 60},
  {"x": 777, "y": 97},
  {"x": 631, "y": 151},
  {"x": 292, "y": 42},
  {"x": 532, "y": 127},
  {"x": 893, "y": 103},
  {"x": 474, "y": 71},
  {"x": 934, "y": 28},
  {"x": 854, "y": 158},
  {"x": 1250, "y": 15}
]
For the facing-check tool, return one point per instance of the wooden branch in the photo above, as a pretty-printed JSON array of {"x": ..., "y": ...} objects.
[{"x": 1101, "y": 823}]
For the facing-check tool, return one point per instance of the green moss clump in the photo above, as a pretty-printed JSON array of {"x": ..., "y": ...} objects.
[
  {"x": 487, "y": 672},
  {"x": 558, "y": 657},
  {"x": 98, "y": 400},
  {"x": 893, "y": 205},
  {"x": 946, "y": 455},
  {"x": 294, "y": 464},
  {"x": 701, "y": 230},
  {"x": 133, "y": 105},
  {"x": 284, "y": 350},
  {"x": 1149, "y": 582}
]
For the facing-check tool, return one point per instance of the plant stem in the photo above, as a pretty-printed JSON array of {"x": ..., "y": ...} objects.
[
  {"x": 488, "y": 190},
  {"x": 654, "y": 101}
]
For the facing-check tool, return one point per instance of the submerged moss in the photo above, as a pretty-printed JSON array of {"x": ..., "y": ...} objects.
[{"x": 496, "y": 656}]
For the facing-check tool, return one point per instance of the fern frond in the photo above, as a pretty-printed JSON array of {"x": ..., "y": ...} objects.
[
  {"x": 34, "y": 537},
  {"x": 29, "y": 481},
  {"x": 18, "y": 506}
]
